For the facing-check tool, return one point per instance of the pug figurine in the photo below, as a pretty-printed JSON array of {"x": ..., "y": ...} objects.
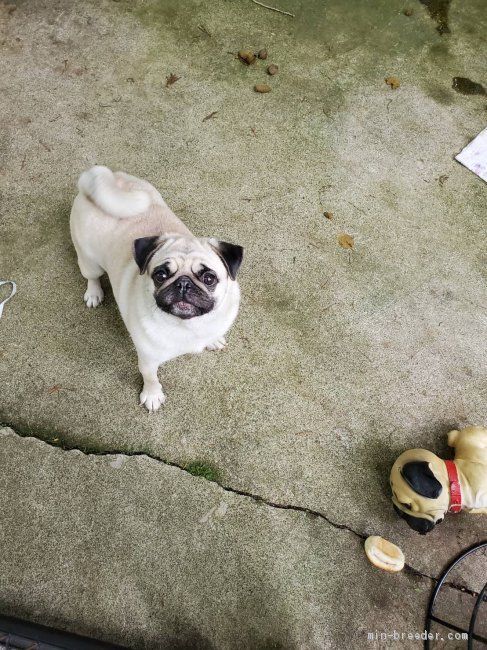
[{"x": 425, "y": 487}]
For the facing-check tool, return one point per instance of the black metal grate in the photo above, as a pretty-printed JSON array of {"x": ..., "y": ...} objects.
[
  {"x": 472, "y": 636},
  {"x": 21, "y": 635}
]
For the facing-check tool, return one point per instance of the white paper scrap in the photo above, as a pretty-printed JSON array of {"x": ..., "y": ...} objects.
[
  {"x": 12, "y": 293},
  {"x": 474, "y": 156}
]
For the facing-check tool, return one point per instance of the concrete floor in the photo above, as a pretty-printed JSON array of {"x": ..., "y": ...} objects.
[{"x": 339, "y": 359}]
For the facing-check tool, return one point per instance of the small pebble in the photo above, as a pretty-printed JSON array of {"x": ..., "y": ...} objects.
[
  {"x": 262, "y": 88},
  {"x": 408, "y": 12},
  {"x": 246, "y": 56},
  {"x": 272, "y": 69},
  {"x": 262, "y": 54}
]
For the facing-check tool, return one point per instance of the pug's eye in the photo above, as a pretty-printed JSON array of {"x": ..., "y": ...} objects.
[
  {"x": 209, "y": 278},
  {"x": 406, "y": 505},
  {"x": 160, "y": 275}
]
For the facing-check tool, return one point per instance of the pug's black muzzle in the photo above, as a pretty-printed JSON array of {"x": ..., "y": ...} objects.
[
  {"x": 421, "y": 526},
  {"x": 184, "y": 299}
]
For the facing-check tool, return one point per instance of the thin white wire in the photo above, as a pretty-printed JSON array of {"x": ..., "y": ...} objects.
[{"x": 12, "y": 293}]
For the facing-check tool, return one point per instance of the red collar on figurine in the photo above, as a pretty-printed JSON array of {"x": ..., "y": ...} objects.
[{"x": 455, "y": 489}]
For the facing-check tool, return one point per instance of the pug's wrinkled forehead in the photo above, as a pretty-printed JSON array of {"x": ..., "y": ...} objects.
[{"x": 188, "y": 256}]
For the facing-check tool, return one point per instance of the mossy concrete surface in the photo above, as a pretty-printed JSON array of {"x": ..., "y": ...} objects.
[
  {"x": 340, "y": 359},
  {"x": 144, "y": 555}
]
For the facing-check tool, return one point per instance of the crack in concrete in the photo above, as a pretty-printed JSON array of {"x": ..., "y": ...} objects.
[{"x": 23, "y": 433}]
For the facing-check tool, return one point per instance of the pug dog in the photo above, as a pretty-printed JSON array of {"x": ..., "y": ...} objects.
[
  {"x": 425, "y": 487},
  {"x": 177, "y": 293}
]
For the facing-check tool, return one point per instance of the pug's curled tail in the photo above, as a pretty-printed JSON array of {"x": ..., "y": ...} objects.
[{"x": 107, "y": 192}]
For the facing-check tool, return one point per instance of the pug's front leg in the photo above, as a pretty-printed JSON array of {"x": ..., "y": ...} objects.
[{"x": 151, "y": 396}]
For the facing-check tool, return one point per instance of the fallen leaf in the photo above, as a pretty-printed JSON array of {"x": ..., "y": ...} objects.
[
  {"x": 328, "y": 215},
  {"x": 262, "y": 88},
  {"x": 345, "y": 241},
  {"x": 57, "y": 388},
  {"x": 246, "y": 56},
  {"x": 208, "y": 117},
  {"x": 171, "y": 79},
  {"x": 393, "y": 82}
]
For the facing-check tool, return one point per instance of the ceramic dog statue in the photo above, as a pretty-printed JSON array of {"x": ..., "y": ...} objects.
[{"x": 425, "y": 487}]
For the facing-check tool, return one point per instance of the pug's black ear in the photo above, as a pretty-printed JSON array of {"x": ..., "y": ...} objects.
[
  {"x": 231, "y": 254},
  {"x": 419, "y": 476},
  {"x": 144, "y": 249}
]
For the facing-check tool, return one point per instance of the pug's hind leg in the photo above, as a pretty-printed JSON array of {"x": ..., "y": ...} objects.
[
  {"x": 92, "y": 272},
  {"x": 219, "y": 344},
  {"x": 151, "y": 396}
]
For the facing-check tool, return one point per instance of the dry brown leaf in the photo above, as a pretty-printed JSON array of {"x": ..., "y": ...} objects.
[
  {"x": 56, "y": 389},
  {"x": 393, "y": 82},
  {"x": 328, "y": 215},
  {"x": 345, "y": 241},
  {"x": 210, "y": 116},
  {"x": 171, "y": 79},
  {"x": 262, "y": 88},
  {"x": 246, "y": 56}
]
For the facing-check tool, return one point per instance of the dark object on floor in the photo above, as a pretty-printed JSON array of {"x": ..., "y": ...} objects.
[
  {"x": 481, "y": 599},
  {"x": 171, "y": 79},
  {"x": 438, "y": 10},
  {"x": 16, "y": 635},
  {"x": 467, "y": 87}
]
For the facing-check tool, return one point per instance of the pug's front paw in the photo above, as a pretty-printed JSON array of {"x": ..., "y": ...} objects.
[
  {"x": 152, "y": 398},
  {"x": 219, "y": 344},
  {"x": 93, "y": 294}
]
